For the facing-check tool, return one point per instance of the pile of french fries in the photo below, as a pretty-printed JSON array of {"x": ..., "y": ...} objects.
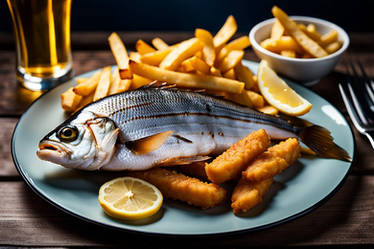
[
  {"x": 213, "y": 63},
  {"x": 297, "y": 40}
]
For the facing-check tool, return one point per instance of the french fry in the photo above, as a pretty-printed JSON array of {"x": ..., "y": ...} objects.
[
  {"x": 187, "y": 66},
  {"x": 156, "y": 57},
  {"x": 230, "y": 74},
  {"x": 139, "y": 81},
  {"x": 124, "y": 85},
  {"x": 230, "y": 163},
  {"x": 245, "y": 75},
  {"x": 246, "y": 194},
  {"x": 283, "y": 43},
  {"x": 102, "y": 88},
  {"x": 215, "y": 71},
  {"x": 268, "y": 109},
  {"x": 333, "y": 47},
  {"x": 177, "y": 55},
  {"x": 86, "y": 100},
  {"x": 288, "y": 53},
  {"x": 143, "y": 48},
  {"x": 70, "y": 100},
  {"x": 304, "y": 41},
  {"x": 185, "y": 79},
  {"x": 199, "y": 65},
  {"x": 240, "y": 43},
  {"x": 135, "y": 56},
  {"x": 159, "y": 43},
  {"x": 115, "y": 82},
  {"x": 247, "y": 98},
  {"x": 231, "y": 60},
  {"x": 120, "y": 55},
  {"x": 277, "y": 30},
  {"x": 81, "y": 80},
  {"x": 89, "y": 86},
  {"x": 310, "y": 31},
  {"x": 225, "y": 33},
  {"x": 330, "y": 37},
  {"x": 209, "y": 53}
]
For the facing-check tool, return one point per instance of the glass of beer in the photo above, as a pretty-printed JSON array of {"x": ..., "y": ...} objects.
[{"x": 42, "y": 34}]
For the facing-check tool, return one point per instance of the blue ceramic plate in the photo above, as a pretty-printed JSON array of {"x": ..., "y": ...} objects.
[{"x": 298, "y": 190}]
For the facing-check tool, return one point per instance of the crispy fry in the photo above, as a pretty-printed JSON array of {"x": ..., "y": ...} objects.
[
  {"x": 115, "y": 82},
  {"x": 333, "y": 47},
  {"x": 245, "y": 75},
  {"x": 283, "y": 43},
  {"x": 229, "y": 164},
  {"x": 180, "y": 187},
  {"x": 185, "y": 79},
  {"x": 209, "y": 53},
  {"x": 215, "y": 71},
  {"x": 102, "y": 88},
  {"x": 288, "y": 53},
  {"x": 70, "y": 100},
  {"x": 135, "y": 56},
  {"x": 159, "y": 43},
  {"x": 199, "y": 65},
  {"x": 155, "y": 58},
  {"x": 246, "y": 194},
  {"x": 143, "y": 48},
  {"x": 81, "y": 80},
  {"x": 231, "y": 60},
  {"x": 184, "y": 50},
  {"x": 124, "y": 85},
  {"x": 311, "y": 31},
  {"x": 230, "y": 74},
  {"x": 89, "y": 86},
  {"x": 268, "y": 109},
  {"x": 120, "y": 55},
  {"x": 247, "y": 98},
  {"x": 304, "y": 41},
  {"x": 196, "y": 169},
  {"x": 86, "y": 100},
  {"x": 225, "y": 33},
  {"x": 277, "y": 30},
  {"x": 273, "y": 161},
  {"x": 240, "y": 43},
  {"x": 187, "y": 66},
  {"x": 330, "y": 37},
  {"x": 139, "y": 81}
]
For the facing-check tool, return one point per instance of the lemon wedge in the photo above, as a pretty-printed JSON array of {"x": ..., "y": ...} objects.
[
  {"x": 129, "y": 198},
  {"x": 278, "y": 94}
]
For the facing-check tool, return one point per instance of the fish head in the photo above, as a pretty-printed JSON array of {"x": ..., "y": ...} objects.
[{"x": 84, "y": 141}]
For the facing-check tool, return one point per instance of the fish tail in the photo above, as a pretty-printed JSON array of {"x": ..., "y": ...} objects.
[{"x": 320, "y": 141}]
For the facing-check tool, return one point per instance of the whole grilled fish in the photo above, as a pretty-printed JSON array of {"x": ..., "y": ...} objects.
[{"x": 140, "y": 129}]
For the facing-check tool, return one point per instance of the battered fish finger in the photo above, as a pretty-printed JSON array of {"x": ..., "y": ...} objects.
[
  {"x": 246, "y": 194},
  {"x": 180, "y": 187},
  {"x": 195, "y": 169},
  {"x": 229, "y": 164},
  {"x": 273, "y": 161}
]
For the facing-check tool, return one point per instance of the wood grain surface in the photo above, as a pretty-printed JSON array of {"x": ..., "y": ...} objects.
[{"x": 27, "y": 220}]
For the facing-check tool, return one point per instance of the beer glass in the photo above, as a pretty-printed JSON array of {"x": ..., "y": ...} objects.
[{"x": 42, "y": 35}]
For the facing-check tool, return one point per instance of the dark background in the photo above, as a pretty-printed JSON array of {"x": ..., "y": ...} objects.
[{"x": 186, "y": 15}]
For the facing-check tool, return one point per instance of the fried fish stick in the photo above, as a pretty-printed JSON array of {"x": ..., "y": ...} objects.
[
  {"x": 273, "y": 161},
  {"x": 180, "y": 187},
  {"x": 246, "y": 194},
  {"x": 196, "y": 169},
  {"x": 229, "y": 164}
]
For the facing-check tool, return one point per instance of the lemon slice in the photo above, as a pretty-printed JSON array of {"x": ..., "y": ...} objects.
[
  {"x": 129, "y": 198},
  {"x": 278, "y": 94}
]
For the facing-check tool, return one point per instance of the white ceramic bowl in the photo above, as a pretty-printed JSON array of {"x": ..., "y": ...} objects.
[{"x": 306, "y": 71}]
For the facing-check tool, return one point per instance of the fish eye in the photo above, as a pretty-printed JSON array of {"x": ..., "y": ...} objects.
[{"x": 68, "y": 133}]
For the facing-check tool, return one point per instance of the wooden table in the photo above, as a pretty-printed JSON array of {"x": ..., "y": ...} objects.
[{"x": 26, "y": 220}]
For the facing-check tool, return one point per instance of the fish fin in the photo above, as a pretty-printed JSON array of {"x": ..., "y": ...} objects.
[
  {"x": 320, "y": 141},
  {"x": 110, "y": 140},
  {"x": 183, "y": 160},
  {"x": 148, "y": 144}
]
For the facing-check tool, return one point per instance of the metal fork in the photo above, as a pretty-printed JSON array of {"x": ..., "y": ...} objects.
[{"x": 358, "y": 96}]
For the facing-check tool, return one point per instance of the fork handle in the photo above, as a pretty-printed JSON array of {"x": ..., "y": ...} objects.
[{"x": 370, "y": 136}]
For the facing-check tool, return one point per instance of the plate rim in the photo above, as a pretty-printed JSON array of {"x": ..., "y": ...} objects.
[{"x": 168, "y": 234}]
